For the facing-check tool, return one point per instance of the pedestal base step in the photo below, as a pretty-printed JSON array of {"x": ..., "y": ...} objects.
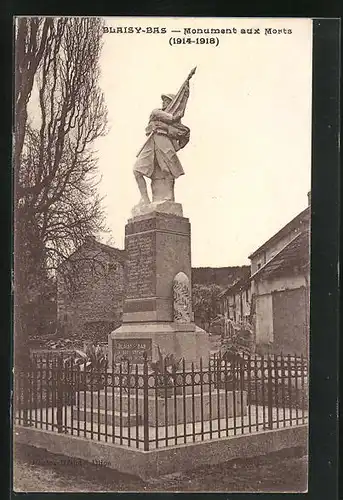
[
  {"x": 182, "y": 408},
  {"x": 108, "y": 417}
]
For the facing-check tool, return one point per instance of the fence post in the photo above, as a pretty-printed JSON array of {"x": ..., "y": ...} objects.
[
  {"x": 59, "y": 396},
  {"x": 26, "y": 394},
  {"x": 145, "y": 403},
  {"x": 270, "y": 393}
]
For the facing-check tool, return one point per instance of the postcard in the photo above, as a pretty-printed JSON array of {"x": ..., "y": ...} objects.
[{"x": 162, "y": 254}]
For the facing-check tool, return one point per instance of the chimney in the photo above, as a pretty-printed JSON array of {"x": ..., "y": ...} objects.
[{"x": 309, "y": 198}]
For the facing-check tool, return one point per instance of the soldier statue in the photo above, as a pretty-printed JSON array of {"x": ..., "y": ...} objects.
[{"x": 157, "y": 159}]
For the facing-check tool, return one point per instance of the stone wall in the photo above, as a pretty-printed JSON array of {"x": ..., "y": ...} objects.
[
  {"x": 93, "y": 304},
  {"x": 282, "y": 315}
]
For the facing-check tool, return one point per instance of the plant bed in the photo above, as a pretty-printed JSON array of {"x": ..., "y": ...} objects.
[{"x": 165, "y": 372}]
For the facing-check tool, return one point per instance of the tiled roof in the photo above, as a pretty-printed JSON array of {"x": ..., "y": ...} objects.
[
  {"x": 91, "y": 242},
  {"x": 297, "y": 222},
  {"x": 295, "y": 255},
  {"x": 239, "y": 284},
  {"x": 116, "y": 252}
]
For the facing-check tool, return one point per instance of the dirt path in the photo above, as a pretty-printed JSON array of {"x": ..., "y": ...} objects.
[{"x": 37, "y": 470}]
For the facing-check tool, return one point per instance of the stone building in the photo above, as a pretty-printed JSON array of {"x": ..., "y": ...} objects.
[
  {"x": 280, "y": 284},
  {"x": 274, "y": 296},
  {"x": 90, "y": 291},
  {"x": 236, "y": 299}
]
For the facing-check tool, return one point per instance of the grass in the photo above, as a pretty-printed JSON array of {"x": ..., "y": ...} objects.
[{"x": 36, "y": 470}]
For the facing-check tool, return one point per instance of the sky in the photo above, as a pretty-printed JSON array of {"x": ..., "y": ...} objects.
[{"x": 248, "y": 163}]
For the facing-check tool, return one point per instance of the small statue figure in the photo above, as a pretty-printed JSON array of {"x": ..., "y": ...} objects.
[{"x": 157, "y": 159}]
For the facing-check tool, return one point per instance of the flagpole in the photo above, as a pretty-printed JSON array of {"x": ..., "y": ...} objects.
[{"x": 170, "y": 105}]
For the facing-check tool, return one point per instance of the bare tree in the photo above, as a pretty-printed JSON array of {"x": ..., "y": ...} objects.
[
  {"x": 56, "y": 177},
  {"x": 31, "y": 39}
]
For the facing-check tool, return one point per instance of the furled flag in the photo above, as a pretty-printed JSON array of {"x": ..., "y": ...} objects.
[{"x": 178, "y": 103}]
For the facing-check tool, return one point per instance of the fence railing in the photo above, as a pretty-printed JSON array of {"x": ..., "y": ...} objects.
[{"x": 134, "y": 406}]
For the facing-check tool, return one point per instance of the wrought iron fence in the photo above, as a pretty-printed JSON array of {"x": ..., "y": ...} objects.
[{"x": 134, "y": 406}]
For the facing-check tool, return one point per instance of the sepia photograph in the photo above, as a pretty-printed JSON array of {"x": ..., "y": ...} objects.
[{"x": 162, "y": 228}]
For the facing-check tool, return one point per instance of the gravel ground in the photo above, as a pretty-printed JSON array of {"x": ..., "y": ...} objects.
[{"x": 36, "y": 470}]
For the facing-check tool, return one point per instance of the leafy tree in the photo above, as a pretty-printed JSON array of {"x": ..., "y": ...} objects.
[{"x": 206, "y": 304}]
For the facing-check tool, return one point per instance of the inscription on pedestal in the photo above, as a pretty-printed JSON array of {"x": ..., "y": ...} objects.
[
  {"x": 140, "y": 266},
  {"x": 132, "y": 350},
  {"x": 140, "y": 226}
]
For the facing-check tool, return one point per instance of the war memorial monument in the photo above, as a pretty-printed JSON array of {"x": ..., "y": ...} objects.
[{"x": 158, "y": 308}]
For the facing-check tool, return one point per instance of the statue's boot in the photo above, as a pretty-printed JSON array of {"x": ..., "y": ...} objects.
[{"x": 142, "y": 189}]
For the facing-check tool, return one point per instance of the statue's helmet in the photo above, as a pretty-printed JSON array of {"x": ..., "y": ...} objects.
[{"x": 168, "y": 96}]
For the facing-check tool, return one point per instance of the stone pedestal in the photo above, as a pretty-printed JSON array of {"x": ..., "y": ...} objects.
[
  {"x": 166, "y": 207},
  {"x": 158, "y": 249},
  {"x": 174, "y": 410},
  {"x": 131, "y": 340}
]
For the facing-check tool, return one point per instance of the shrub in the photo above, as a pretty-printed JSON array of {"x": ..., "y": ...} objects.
[
  {"x": 92, "y": 363},
  {"x": 165, "y": 370}
]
